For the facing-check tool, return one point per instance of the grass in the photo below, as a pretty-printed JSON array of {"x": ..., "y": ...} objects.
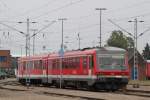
[{"x": 146, "y": 82}]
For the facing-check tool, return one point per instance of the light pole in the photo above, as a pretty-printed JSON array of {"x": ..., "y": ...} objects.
[
  {"x": 62, "y": 51},
  {"x": 135, "y": 66},
  {"x": 100, "y": 29},
  {"x": 27, "y": 51},
  {"x": 27, "y": 36}
]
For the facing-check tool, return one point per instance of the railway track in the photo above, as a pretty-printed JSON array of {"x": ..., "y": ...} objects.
[
  {"x": 145, "y": 94},
  {"x": 127, "y": 92},
  {"x": 68, "y": 95},
  {"x": 137, "y": 93},
  {"x": 82, "y": 94}
]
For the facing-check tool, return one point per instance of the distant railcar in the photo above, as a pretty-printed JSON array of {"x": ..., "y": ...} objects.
[
  {"x": 148, "y": 69},
  {"x": 100, "y": 68}
]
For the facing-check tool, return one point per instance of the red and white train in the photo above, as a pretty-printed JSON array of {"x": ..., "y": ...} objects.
[{"x": 99, "y": 68}]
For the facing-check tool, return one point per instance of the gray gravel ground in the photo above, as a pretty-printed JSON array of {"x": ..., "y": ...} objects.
[{"x": 12, "y": 90}]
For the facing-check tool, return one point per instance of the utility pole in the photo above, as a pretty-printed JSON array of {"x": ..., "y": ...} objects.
[
  {"x": 34, "y": 31},
  {"x": 28, "y": 40},
  {"x": 100, "y": 29},
  {"x": 21, "y": 50},
  {"x": 33, "y": 44},
  {"x": 27, "y": 47},
  {"x": 79, "y": 39},
  {"x": 27, "y": 52},
  {"x": 62, "y": 51},
  {"x": 62, "y": 19},
  {"x": 135, "y": 66}
]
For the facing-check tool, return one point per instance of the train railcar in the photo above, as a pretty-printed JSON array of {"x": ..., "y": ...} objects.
[
  {"x": 148, "y": 69},
  {"x": 30, "y": 69},
  {"x": 99, "y": 68}
]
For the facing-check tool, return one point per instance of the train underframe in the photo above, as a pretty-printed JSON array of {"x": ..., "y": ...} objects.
[{"x": 109, "y": 84}]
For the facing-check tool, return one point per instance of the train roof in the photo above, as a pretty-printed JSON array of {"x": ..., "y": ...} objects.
[
  {"x": 112, "y": 49},
  {"x": 34, "y": 57},
  {"x": 86, "y": 51},
  {"x": 77, "y": 52}
]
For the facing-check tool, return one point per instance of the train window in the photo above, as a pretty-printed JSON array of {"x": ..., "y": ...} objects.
[
  {"x": 55, "y": 64},
  {"x": 84, "y": 62},
  {"x": 71, "y": 63},
  {"x": 77, "y": 59},
  {"x": 50, "y": 64},
  {"x": 77, "y": 62},
  {"x": 44, "y": 64},
  {"x": 35, "y": 64},
  {"x": 24, "y": 65},
  {"x": 38, "y": 64},
  {"x": 58, "y": 64},
  {"x": 30, "y": 64},
  {"x": 65, "y": 63},
  {"x": 105, "y": 60}
]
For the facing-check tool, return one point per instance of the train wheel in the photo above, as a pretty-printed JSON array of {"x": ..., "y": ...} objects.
[
  {"x": 108, "y": 87},
  {"x": 114, "y": 87},
  {"x": 92, "y": 88},
  {"x": 63, "y": 85}
]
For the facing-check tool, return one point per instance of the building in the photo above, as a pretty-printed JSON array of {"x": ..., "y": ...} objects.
[
  {"x": 141, "y": 66},
  {"x": 5, "y": 59},
  {"x": 8, "y": 64}
]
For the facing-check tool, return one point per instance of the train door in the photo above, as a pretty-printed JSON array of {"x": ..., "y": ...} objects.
[
  {"x": 90, "y": 64},
  {"x": 49, "y": 70},
  {"x": 23, "y": 68},
  {"x": 85, "y": 64},
  {"x": 20, "y": 69},
  {"x": 45, "y": 71}
]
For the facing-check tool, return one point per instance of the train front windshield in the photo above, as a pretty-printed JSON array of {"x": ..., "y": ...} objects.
[{"x": 111, "y": 62}]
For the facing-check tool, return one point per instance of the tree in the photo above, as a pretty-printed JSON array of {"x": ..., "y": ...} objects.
[
  {"x": 130, "y": 42},
  {"x": 146, "y": 52},
  {"x": 118, "y": 39}
]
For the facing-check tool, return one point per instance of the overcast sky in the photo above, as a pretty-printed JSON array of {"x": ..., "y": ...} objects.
[{"x": 81, "y": 18}]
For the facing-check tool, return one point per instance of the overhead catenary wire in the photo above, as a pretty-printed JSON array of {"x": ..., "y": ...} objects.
[
  {"x": 136, "y": 16},
  {"x": 120, "y": 27},
  {"x": 129, "y": 7},
  {"x": 37, "y": 8},
  {"x": 137, "y": 4},
  {"x": 85, "y": 26},
  {"x": 113, "y": 10},
  {"x": 12, "y": 28},
  {"x": 48, "y": 3},
  {"x": 43, "y": 28},
  {"x": 83, "y": 16},
  {"x": 57, "y": 9}
]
